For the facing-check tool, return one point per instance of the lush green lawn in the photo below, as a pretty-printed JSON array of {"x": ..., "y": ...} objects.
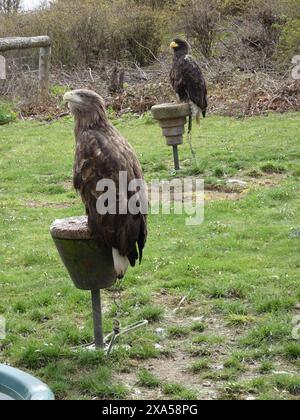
[{"x": 239, "y": 270}]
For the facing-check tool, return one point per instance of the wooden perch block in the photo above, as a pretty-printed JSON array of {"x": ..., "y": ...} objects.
[
  {"x": 176, "y": 122},
  {"x": 173, "y": 131},
  {"x": 172, "y": 119},
  {"x": 170, "y": 111},
  {"x": 71, "y": 228}
]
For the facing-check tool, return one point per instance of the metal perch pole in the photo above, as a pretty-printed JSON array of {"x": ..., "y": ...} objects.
[
  {"x": 97, "y": 318},
  {"x": 176, "y": 158}
]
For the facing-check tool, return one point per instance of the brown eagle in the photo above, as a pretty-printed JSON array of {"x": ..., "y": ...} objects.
[
  {"x": 187, "y": 79},
  {"x": 102, "y": 154}
]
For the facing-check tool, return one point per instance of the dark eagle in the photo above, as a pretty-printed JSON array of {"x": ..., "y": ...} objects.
[
  {"x": 187, "y": 79},
  {"x": 101, "y": 154}
]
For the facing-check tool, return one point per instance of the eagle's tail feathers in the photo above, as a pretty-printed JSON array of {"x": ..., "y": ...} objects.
[
  {"x": 196, "y": 112},
  {"x": 142, "y": 239},
  {"x": 133, "y": 257},
  {"x": 120, "y": 263}
]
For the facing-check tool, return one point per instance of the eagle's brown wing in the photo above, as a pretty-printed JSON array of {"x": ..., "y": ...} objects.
[
  {"x": 188, "y": 82},
  {"x": 102, "y": 154}
]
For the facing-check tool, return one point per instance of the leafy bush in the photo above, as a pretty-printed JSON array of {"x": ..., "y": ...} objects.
[
  {"x": 261, "y": 32},
  {"x": 233, "y": 7},
  {"x": 58, "y": 90},
  {"x": 200, "y": 22},
  {"x": 85, "y": 31},
  {"x": 141, "y": 34},
  {"x": 156, "y": 4},
  {"x": 289, "y": 44},
  {"x": 6, "y": 113}
]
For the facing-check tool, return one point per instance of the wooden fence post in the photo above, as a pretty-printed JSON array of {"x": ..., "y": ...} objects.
[{"x": 44, "y": 71}]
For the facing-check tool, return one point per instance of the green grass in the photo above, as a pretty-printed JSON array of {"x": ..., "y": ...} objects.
[
  {"x": 148, "y": 379},
  {"x": 239, "y": 269},
  {"x": 266, "y": 367},
  {"x": 208, "y": 339},
  {"x": 199, "y": 366},
  {"x": 178, "y": 332},
  {"x": 236, "y": 320},
  {"x": 7, "y": 115},
  {"x": 100, "y": 384},
  {"x": 151, "y": 313},
  {"x": 198, "y": 327},
  {"x": 179, "y": 392}
]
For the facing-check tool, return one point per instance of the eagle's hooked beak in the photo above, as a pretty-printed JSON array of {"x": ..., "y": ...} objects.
[
  {"x": 174, "y": 45},
  {"x": 71, "y": 98}
]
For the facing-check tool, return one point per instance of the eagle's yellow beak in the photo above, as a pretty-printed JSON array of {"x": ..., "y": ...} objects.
[{"x": 174, "y": 45}]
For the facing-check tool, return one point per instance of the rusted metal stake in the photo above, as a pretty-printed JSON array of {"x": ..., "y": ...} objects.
[{"x": 97, "y": 319}]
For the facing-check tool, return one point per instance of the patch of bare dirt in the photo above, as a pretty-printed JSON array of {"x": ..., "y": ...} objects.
[
  {"x": 267, "y": 182},
  {"x": 223, "y": 196},
  {"x": 230, "y": 190},
  {"x": 174, "y": 368},
  {"x": 42, "y": 204}
]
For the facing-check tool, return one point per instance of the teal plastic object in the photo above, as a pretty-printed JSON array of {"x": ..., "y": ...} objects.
[{"x": 18, "y": 385}]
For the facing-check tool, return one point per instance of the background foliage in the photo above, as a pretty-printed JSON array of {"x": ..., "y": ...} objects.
[{"x": 84, "y": 31}]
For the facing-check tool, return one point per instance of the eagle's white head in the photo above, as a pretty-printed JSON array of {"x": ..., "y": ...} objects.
[{"x": 87, "y": 106}]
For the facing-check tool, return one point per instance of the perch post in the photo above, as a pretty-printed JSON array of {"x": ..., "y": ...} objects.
[
  {"x": 176, "y": 158},
  {"x": 97, "y": 318},
  {"x": 172, "y": 119},
  {"x": 89, "y": 263}
]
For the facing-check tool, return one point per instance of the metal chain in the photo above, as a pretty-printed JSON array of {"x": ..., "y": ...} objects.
[{"x": 117, "y": 330}]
